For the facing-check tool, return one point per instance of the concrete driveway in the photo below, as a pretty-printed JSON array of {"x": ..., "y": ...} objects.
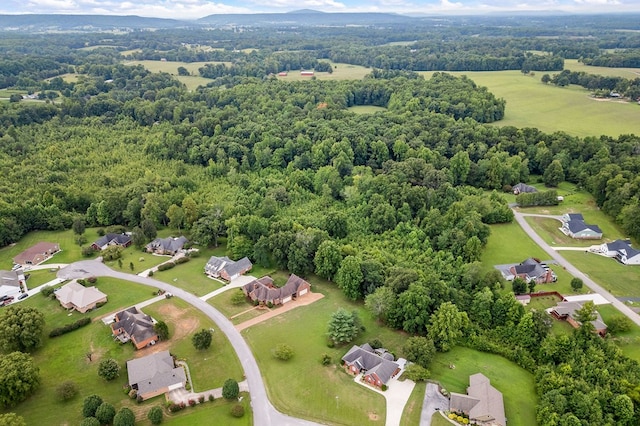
[{"x": 433, "y": 401}]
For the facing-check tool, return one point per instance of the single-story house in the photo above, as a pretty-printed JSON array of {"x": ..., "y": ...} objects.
[
  {"x": 622, "y": 251},
  {"x": 11, "y": 283},
  {"x": 155, "y": 374},
  {"x": 483, "y": 403},
  {"x": 376, "y": 365},
  {"x": 78, "y": 297},
  {"x": 169, "y": 245},
  {"x": 132, "y": 324},
  {"x": 263, "y": 290},
  {"x": 533, "y": 270},
  {"x": 566, "y": 311},
  {"x": 225, "y": 268},
  {"x": 522, "y": 188},
  {"x": 122, "y": 240},
  {"x": 574, "y": 226},
  {"x": 37, "y": 253}
]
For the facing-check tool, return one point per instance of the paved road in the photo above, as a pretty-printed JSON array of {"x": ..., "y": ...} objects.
[
  {"x": 433, "y": 401},
  {"x": 264, "y": 413},
  {"x": 574, "y": 271}
]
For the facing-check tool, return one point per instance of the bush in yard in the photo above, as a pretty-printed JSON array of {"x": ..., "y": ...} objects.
[
  {"x": 238, "y": 297},
  {"x": 70, "y": 327},
  {"x": 19, "y": 377},
  {"x": 155, "y": 415},
  {"x": 111, "y": 253},
  {"x": 125, "y": 417},
  {"x": 283, "y": 352},
  {"x": 46, "y": 291},
  {"x": 576, "y": 284},
  {"x": 66, "y": 390},
  {"x": 162, "y": 330},
  {"x": 201, "y": 399},
  {"x": 105, "y": 413},
  {"x": 326, "y": 359},
  {"x": 376, "y": 344},
  {"x": 150, "y": 274},
  {"x": 108, "y": 369},
  {"x": 192, "y": 402},
  {"x": 384, "y": 387},
  {"x": 166, "y": 266},
  {"x": 237, "y": 411},
  {"x": 12, "y": 419},
  {"x": 230, "y": 389},
  {"x": 269, "y": 305},
  {"x": 90, "y": 405},
  {"x": 180, "y": 260},
  {"x": 211, "y": 397},
  {"x": 619, "y": 324},
  {"x": 92, "y": 280},
  {"x": 202, "y": 339},
  {"x": 88, "y": 251},
  {"x": 416, "y": 373},
  {"x": 90, "y": 421}
]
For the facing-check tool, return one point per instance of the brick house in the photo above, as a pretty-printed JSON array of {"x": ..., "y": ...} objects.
[
  {"x": 227, "y": 269},
  {"x": 376, "y": 365},
  {"x": 37, "y": 253},
  {"x": 263, "y": 290},
  {"x": 122, "y": 240},
  {"x": 155, "y": 374},
  {"x": 135, "y": 326}
]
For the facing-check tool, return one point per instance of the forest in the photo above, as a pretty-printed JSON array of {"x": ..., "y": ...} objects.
[{"x": 393, "y": 207}]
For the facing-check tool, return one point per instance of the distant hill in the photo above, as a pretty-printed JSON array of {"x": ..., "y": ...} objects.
[
  {"x": 304, "y": 11},
  {"x": 306, "y": 17},
  {"x": 84, "y": 22}
]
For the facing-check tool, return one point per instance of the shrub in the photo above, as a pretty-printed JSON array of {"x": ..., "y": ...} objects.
[
  {"x": 100, "y": 304},
  {"x": 326, "y": 359},
  {"x": 384, "y": 387},
  {"x": 237, "y": 411},
  {"x": 111, "y": 253},
  {"x": 108, "y": 369},
  {"x": 192, "y": 402},
  {"x": 139, "y": 399},
  {"x": 66, "y": 390},
  {"x": 69, "y": 327},
  {"x": 125, "y": 417},
  {"x": 283, "y": 352},
  {"x": 211, "y": 397},
  {"x": 82, "y": 282},
  {"x": 376, "y": 344},
  {"x": 201, "y": 399},
  {"x": 46, "y": 291},
  {"x": 230, "y": 389},
  {"x": 100, "y": 232},
  {"x": 90, "y": 405},
  {"x": 150, "y": 274},
  {"x": 166, "y": 266},
  {"x": 269, "y": 305},
  {"x": 92, "y": 280},
  {"x": 416, "y": 372},
  {"x": 155, "y": 415},
  {"x": 238, "y": 297},
  {"x": 180, "y": 260},
  {"x": 105, "y": 413},
  {"x": 90, "y": 421},
  {"x": 87, "y": 251},
  {"x": 202, "y": 339}
]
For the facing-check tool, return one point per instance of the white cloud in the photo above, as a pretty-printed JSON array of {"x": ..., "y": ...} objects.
[{"x": 286, "y": 5}]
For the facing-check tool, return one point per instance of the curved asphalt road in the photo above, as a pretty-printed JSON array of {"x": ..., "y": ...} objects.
[
  {"x": 520, "y": 218},
  {"x": 263, "y": 412}
]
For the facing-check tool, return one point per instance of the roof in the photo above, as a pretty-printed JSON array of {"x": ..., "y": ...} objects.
[
  {"x": 231, "y": 267},
  {"x": 490, "y": 405},
  {"x": 9, "y": 278},
  {"x": 79, "y": 295},
  {"x": 170, "y": 244},
  {"x": 624, "y": 248},
  {"x": 530, "y": 267},
  {"x": 523, "y": 187},
  {"x": 120, "y": 239},
  {"x": 33, "y": 251},
  {"x": 154, "y": 372},
  {"x": 574, "y": 216},
  {"x": 366, "y": 359},
  {"x": 569, "y": 309},
  {"x": 596, "y": 298},
  {"x": 576, "y": 226},
  {"x": 263, "y": 290},
  {"x": 135, "y": 323}
]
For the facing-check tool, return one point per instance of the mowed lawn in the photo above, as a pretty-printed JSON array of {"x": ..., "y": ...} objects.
[
  {"x": 326, "y": 394},
  {"x": 618, "y": 279},
  {"x": 413, "y": 409},
  {"x": 574, "y": 65},
  {"x": 190, "y": 276},
  {"x": 216, "y": 413},
  {"x": 515, "y": 383},
  {"x": 340, "y": 72},
  {"x": 366, "y": 109},
  {"x": 530, "y": 103}
]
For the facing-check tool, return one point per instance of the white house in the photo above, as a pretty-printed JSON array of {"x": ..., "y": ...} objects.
[
  {"x": 622, "y": 251},
  {"x": 10, "y": 283},
  {"x": 574, "y": 226}
]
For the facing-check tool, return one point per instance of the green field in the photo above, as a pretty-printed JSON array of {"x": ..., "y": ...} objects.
[
  {"x": 515, "y": 383},
  {"x": 323, "y": 394},
  {"x": 214, "y": 414},
  {"x": 413, "y": 409},
  {"x": 574, "y": 65},
  {"x": 171, "y": 67},
  {"x": 340, "y": 72},
  {"x": 616, "y": 278},
  {"x": 530, "y": 103},
  {"x": 366, "y": 109}
]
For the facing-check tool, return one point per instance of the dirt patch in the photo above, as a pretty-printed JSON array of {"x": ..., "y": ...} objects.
[
  {"x": 96, "y": 355},
  {"x": 183, "y": 325},
  {"x": 373, "y": 417}
]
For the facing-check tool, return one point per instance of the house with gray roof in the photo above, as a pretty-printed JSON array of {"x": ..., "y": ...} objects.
[
  {"x": 533, "y": 270},
  {"x": 263, "y": 290},
  {"x": 11, "y": 283},
  {"x": 483, "y": 403},
  {"x": 622, "y": 251},
  {"x": 566, "y": 311},
  {"x": 135, "y": 326},
  {"x": 522, "y": 188},
  {"x": 155, "y": 374},
  {"x": 377, "y": 366},
  {"x": 122, "y": 240},
  {"x": 227, "y": 269},
  {"x": 167, "y": 246},
  {"x": 75, "y": 296},
  {"x": 574, "y": 226}
]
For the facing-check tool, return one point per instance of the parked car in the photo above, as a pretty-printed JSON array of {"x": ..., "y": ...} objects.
[{"x": 23, "y": 296}]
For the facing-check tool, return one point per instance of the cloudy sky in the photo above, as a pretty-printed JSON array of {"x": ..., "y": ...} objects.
[{"x": 193, "y": 9}]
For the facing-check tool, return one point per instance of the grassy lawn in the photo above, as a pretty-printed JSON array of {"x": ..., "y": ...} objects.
[
  {"x": 439, "y": 420},
  {"x": 615, "y": 277},
  {"x": 172, "y": 67},
  {"x": 209, "y": 368},
  {"x": 37, "y": 278},
  {"x": 413, "y": 409},
  {"x": 548, "y": 229},
  {"x": 515, "y": 383},
  {"x": 530, "y": 103},
  {"x": 214, "y": 413},
  {"x": 324, "y": 394},
  {"x": 574, "y": 65},
  {"x": 340, "y": 72},
  {"x": 628, "y": 341},
  {"x": 366, "y": 109},
  {"x": 192, "y": 82},
  {"x": 235, "y": 313},
  {"x": 65, "y": 358},
  {"x": 190, "y": 276}
]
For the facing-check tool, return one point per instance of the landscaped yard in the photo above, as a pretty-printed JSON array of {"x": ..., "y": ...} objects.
[
  {"x": 190, "y": 276},
  {"x": 618, "y": 279},
  {"x": 325, "y": 394},
  {"x": 236, "y": 313},
  {"x": 549, "y": 230},
  {"x": 413, "y": 409},
  {"x": 515, "y": 383},
  {"x": 628, "y": 341},
  {"x": 214, "y": 413},
  {"x": 439, "y": 420}
]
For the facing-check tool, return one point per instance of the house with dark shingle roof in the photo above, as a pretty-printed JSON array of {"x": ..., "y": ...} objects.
[
  {"x": 135, "y": 326},
  {"x": 483, "y": 403},
  {"x": 377, "y": 366},
  {"x": 566, "y": 311},
  {"x": 533, "y": 270},
  {"x": 522, "y": 188},
  {"x": 227, "y": 269},
  {"x": 169, "y": 245},
  {"x": 122, "y": 240},
  {"x": 622, "y": 251},
  {"x": 574, "y": 226},
  {"x": 155, "y": 374},
  {"x": 263, "y": 290},
  {"x": 37, "y": 254}
]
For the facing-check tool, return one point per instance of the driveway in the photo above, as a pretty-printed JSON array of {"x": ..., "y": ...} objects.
[
  {"x": 433, "y": 401},
  {"x": 264, "y": 413},
  {"x": 573, "y": 270}
]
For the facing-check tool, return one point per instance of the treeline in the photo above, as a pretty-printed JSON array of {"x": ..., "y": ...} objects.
[
  {"x": 619, "y": 59},
  {"x": 626, "y": 87}
]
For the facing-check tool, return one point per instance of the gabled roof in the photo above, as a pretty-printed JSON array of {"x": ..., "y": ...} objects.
[
  {"x": 366, "y": 359},
  {"x": 569, "y": 309},
  {"x": 154, "y": 372},
  {"x": 29, "y": 254},
  {"x": 120, "y": 239},
  {"x": 263, "y": 290},
  {"x": 530, "y": 267},
  {"x": 9, "y": 278},
  {"x": 231, "y": 267},
  {"x": 79, "y": 295},
  {"x": 169, "y": 244},
  {"x": 574, "y": 216},
  {"x": 579, "y": 226},
  {"x": 136, "y": 324},
  {"x": 523, "y": 187},
  {"x": 624, "y": 248},
  {"x": 490, "y": 405}
]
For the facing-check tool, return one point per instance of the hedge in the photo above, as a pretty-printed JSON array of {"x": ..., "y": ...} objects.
[
  {"x": 166, "y": 266},
  {"x": 70, "y": 327}
]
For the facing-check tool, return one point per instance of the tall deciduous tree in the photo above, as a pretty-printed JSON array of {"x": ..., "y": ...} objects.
[
  {"x": 21, "y": 328},
  {"x": 349, "y": 277},
  {"x": 108, "y": 369},
  {"x": 90, "y": 405},
  {"x": 202, "y": 339},
  {"x": 175, "y": 214},
  {"x": 344, "y": 326},
  {"x": 78, "y": 226},
  {"x": 553, "y": 174},
  {"x": 420, "y": 350},
  {"x": 327, "y": 259},
  {"x": 447, "y": 326},
  {"x": 19, "y": 377},
  {"x": 380, "y": 302}
]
